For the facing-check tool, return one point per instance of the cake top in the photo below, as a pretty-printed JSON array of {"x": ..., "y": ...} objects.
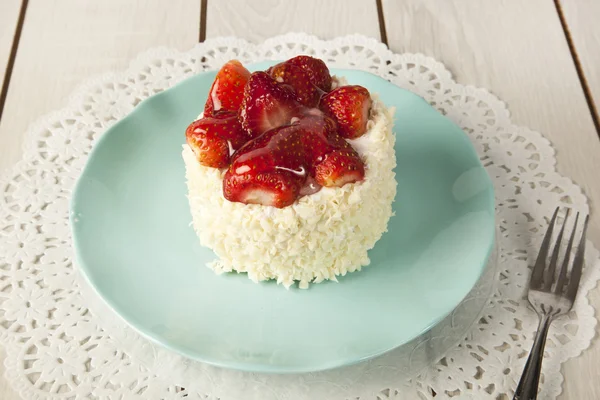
[{"x": 281, "y": 133}]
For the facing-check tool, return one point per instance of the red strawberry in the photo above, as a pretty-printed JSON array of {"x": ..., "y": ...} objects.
[
  {"x": 316, "y": 69},
  {"x": 227, "y": 90},
  {"x": 278, "y": 188},
  {"x": 319, "y": 136},
  {"x": 266, "y": 105},
  {"x": 340, "y": 167},
  {"x": 332, "y": 160},
  {"x": 269, "y": 170},
  {"x": 306, "y": 92},
  {"x": 349, "y": 106},
  {"x": 214, "y": 139},
  {"x": 277, "y": 148}
]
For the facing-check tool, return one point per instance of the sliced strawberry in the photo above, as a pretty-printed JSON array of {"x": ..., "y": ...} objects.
[
  {"x": 349, "y": 106},
  {"x": 266, "y": 105},
  {"x": 278, "y": 148},
  {"x": 316, "y": 69},
  {"x": 306, "y": 92},
  {"x": 319, "y": 136},
  {"x": 215, "y": 139},
  {"x": 338, "y": 168},
  {"x": 269, "y": 170},
  {"x": 227, "y": 90},
  {"x": 278, "y": 188}
]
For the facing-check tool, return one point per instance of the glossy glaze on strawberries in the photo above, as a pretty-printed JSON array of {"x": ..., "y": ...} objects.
[
  {"x": 215, "y": 139},
  {"x": 266, "y": 105},
  {"x": 226, "y": 92},
  {"x": 349, "y": 106},
  {"x": 280, "y": 133},
  {"x": 306, "y": 92},
  {"x": 318, "y": 72}
]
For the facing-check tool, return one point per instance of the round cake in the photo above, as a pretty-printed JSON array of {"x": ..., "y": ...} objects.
[{"x": 319, "y": 235}]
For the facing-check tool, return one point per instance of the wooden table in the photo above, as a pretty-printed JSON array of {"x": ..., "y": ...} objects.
[{"x": 541, "y": 57}]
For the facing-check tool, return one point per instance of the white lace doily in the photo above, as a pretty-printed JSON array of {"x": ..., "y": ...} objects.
[{"x": 63, "y": 343}]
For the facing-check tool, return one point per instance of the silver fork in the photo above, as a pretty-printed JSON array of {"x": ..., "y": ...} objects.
[{"x": 550, "y": 294}]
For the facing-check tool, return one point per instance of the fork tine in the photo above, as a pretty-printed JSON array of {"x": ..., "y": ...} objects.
[
  {"x": 540, "y": 263},
  {"x": 577, "y": 264},
  {"x": 562, "y": 276},
  {"x": 551, "y": 270}
]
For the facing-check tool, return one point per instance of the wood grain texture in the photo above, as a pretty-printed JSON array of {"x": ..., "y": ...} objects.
[
  {"x": 9, "y": 14},
  {"x": 65, "y": 41},
  {"x": 257, "y": 20},
  {"x": 582, "y": 18},
  {"x": 495, "y": 45}
]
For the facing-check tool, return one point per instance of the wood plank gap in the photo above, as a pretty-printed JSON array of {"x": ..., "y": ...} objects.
[
  {"x": 382, "y": 30},
  {"x": 13, "y": 55},
  {"x": 203, "y": 8},
  {"x": 580, "y": 74}
]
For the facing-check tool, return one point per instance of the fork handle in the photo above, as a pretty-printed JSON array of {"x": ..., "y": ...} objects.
[{"x": 528, "y": 385}]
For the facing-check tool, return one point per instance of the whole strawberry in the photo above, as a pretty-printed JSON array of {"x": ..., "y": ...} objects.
[{"x": 349, "y": 106}]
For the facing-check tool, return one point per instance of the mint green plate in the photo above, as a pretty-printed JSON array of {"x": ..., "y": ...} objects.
[{"x": 134, "y": 244}]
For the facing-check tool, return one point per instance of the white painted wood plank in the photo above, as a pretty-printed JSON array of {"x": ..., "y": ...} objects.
[
  {"x": 582, "y": 18},
  {"x": 516, "y": 49},
  {"x": 259, "y": 20},
  {"x": 527, "y": 65},
  {"x": 9, "y": 14},
  {"x": 66, "y": 41}
]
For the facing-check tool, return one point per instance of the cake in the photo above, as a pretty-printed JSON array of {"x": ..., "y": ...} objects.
[{"x": 290, "y": 172}]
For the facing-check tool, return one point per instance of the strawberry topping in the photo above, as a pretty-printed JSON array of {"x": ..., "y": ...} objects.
[
  {"x": 319, "y": 136},
  {"x": 227, "y": 89},
  {"x": 269, "y": 170},
  {"x": 274, "y": 169},
  {"x": 306, "y": 92},
  {"x": 214, "y": 139},
  {"x": 266, "y": 104},
  {"x": 349, "y": 106},
  {"x": 316, "y": 69},
  {"x": 340, "y": 167},
  {"x": 332, "y": 160},
  {"x": 264, "y": 128},
  {"x": 279, "y": 148}
]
